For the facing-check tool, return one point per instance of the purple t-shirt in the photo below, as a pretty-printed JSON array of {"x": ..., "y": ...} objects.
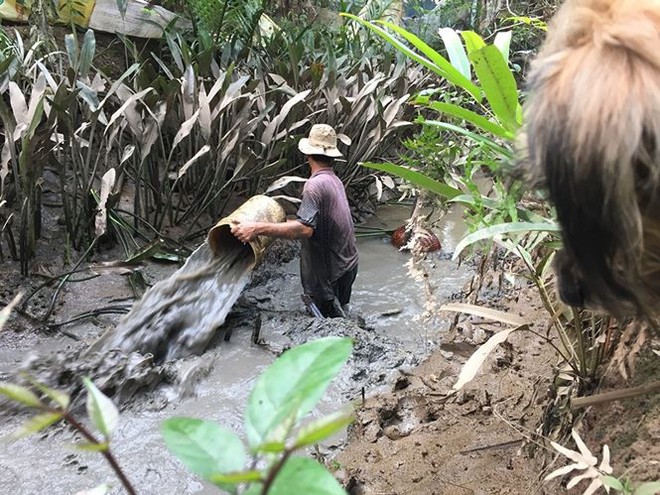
[{"x": 332, "y": 250}]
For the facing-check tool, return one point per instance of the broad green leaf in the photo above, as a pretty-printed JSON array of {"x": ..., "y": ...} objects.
[
  {"x": 472, "y": 117},
  {"x": 203, "y": 446},
  {"x": 612, "y": 482},
  {"x": 500, "y": 229},
  {"x": 416, "y": 178},
  {"x": 503, "y": 43},
  {"x": 101, "y": 410},
  {"x": 20, "y": 394},
  {"x": 652, "y": 488},
  {"x": 498, "y": 83},
  {"x": 291, "y": 386},
  {"x": 301, "y": 475},
  {"x": 439, "y": 65},
  {"x": 62, "y": 399},
  {"x": 452, "y": 74},
  {"x": 478, "y": 138},
  {"x": 455, "y": 50},
  {"x": 322, "y": 428},
  {"x": 473, "y": 41},
  {"x": 6, "y": 311},
  {"x": 87, "y": 52},
  {"x": 37, "y": 423},
  {"x": 235, "y": 478}
]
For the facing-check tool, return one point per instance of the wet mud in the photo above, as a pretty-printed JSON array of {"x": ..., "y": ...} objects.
[{"x": 389, "y": 321}]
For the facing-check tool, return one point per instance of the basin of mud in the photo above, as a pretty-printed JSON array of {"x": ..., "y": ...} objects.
[{"x": 390, "y": 323}]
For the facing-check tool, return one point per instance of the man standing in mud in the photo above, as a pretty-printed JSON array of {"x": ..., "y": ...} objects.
[{"x": 329, "y": 256}]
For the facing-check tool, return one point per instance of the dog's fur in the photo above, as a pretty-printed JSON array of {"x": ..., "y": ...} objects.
[{"x": 592, "y": 140}]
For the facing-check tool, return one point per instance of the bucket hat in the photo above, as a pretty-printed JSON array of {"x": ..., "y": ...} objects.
[{"x": 322, "y": 140}]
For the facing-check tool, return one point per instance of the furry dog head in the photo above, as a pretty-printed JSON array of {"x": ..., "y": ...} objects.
[{"x": 592, "y": 140}]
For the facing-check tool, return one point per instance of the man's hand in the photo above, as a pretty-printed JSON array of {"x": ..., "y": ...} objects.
[{"x": 244, "y": 231}]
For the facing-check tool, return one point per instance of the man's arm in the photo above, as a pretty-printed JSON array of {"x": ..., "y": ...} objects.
[{"x": 291, "y": 229}]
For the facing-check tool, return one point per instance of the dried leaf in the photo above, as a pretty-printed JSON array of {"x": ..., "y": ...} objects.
[
  {"x": 107, "y": 183},
  {"x": 18, "y": 104},
  {"x": 471, "y": 367},
  {"x": 188, "y": 92},
  {"x": 127, "y": 103},
  {"x": 204, "y": 114},
  {"x": 4, "y": 313},
  {"x": 182, "y": 171},
  {"x": 488, "y": 313},
  {"x": 284, "y": 181},
  {"x": 185, "y": 129}
]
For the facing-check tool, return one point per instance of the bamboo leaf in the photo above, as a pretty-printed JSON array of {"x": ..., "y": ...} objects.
[
  {"x": 473, "y": 41},
  {"x": 71, "y": 50},
  {"x": 472, "y": 117},
  {"x": 18, "y": 105},
  {"x": 498, "y": 84},
  {"x": 188, "y": 92},
  {"x": 478, "y": 138},
  {"x": 416, "y": 178},
  {"x": 500, "y": 229},
  {"x": 473, "y": 364},
  {"x": 135, "y": 97},
  {"x": 503, "y": 43},
  {"x": 455, "y": 50},
  {"x": 204, "y": 114},
  {"x": 438, "y": 64}
]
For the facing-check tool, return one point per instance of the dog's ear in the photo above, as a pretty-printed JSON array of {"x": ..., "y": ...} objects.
[{"x": 592, "y": 120}]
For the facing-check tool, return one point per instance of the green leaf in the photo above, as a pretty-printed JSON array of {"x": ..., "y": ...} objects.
[
  {"x": 473, "y": 41},
  {"x": 503, "y": 228},
  {"x": 101, "y": 410},
  {"x": 652, "y": 488},
  {"x": 478, "y": 138},
  {"x": 235, "y": 478},
  {"x": 206, "y": 448},
  {"x": 612, "y": 482},
  {"x": 437, "y": 64},
  {"x": 37, "y": 423},
  {"x": 322, "y": 428},
  {"x": 301, "y": 475},
  {"x": 271, "y": 448},
  {"x": 87, "y": 52},
  {"x": 472, "y": 117},
  {"x": 20, "y": 394},
  {"x": 416, "y": 178},
  {"x": 498, "y": 83},
  {"x": 455, "y": 50},
  {"x": 92, "y": 447},
  {"x": 62, "y": 399},
  {"x": 291, "y": 386}
]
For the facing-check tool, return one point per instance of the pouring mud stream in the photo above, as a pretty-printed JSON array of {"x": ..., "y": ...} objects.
[{"x": 179, "y": 316}]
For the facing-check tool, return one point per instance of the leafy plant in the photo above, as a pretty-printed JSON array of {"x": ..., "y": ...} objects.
[{"x": 283, "y": 395}]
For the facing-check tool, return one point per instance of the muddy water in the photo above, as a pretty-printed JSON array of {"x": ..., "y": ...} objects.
[
  {"x": 179, "y": 316},
  {"x": 216, "y": 385}
]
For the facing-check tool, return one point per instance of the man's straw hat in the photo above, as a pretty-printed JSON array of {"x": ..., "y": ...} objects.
[{"x": 322, "y": 140}]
